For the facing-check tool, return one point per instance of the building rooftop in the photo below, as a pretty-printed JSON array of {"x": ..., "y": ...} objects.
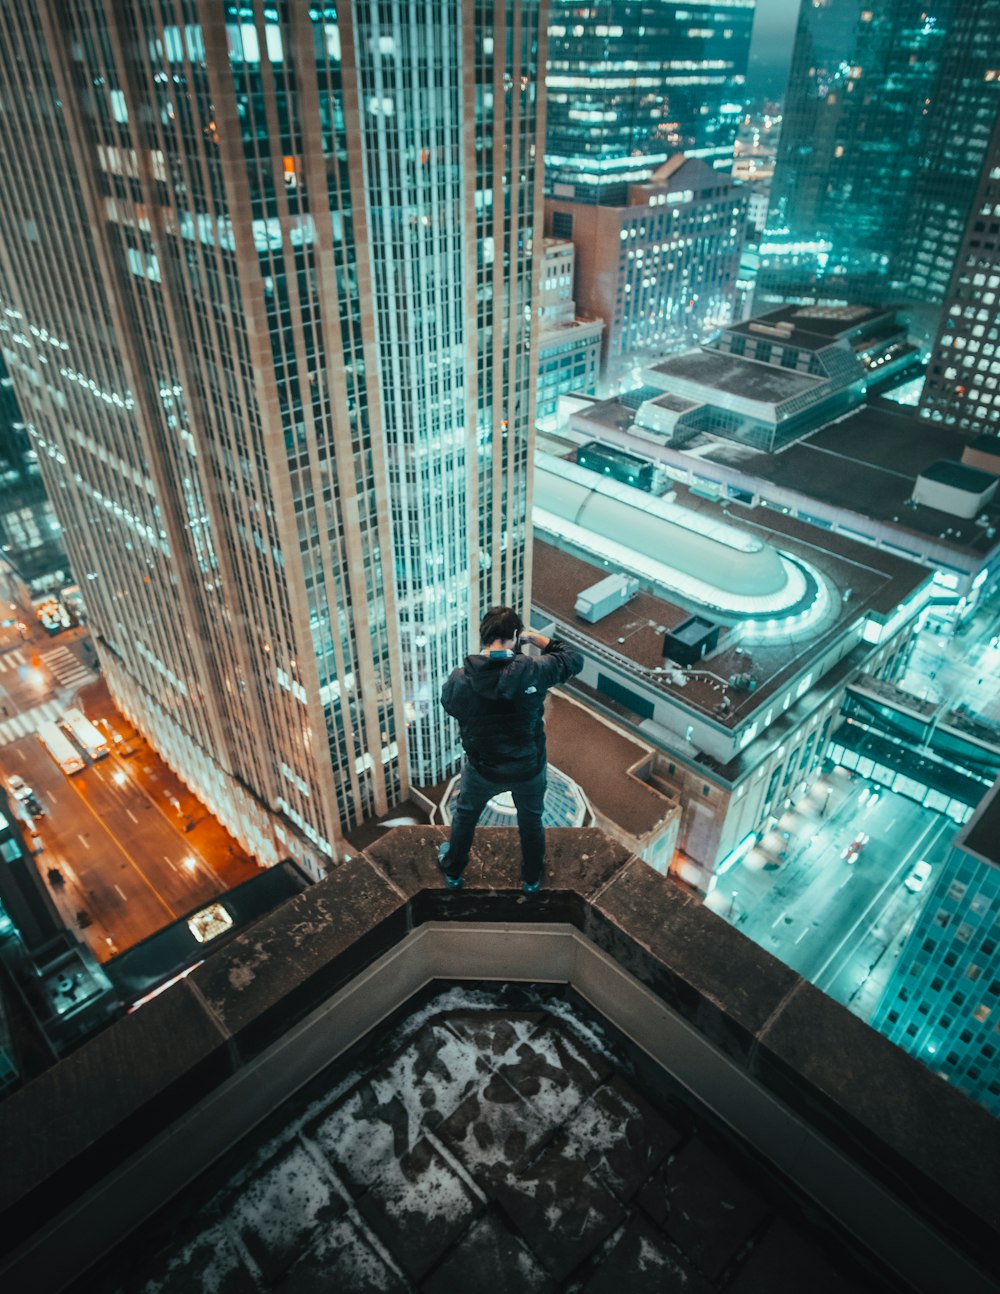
[
  {"x": 734, "y": 376},
  {"x": 634, "y": 632},
  {"x": 981, "y": 834},
  {"x": 493, "y": 1139},
  {"x": 866, "y": 463},
  {"x": 300, "y": 1109},
  {"x": 675, "y": 403},
  {"x": 809, "y": 327},
  {"x": 599, "y": 759},
  {"x": 958, "y": 476}
]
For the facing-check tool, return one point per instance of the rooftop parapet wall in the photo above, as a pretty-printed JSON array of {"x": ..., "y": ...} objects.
[{"x": 75, "y": 1128}]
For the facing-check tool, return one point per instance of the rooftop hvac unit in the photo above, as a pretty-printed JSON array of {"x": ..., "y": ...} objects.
[{"x": 607, "y": 595}]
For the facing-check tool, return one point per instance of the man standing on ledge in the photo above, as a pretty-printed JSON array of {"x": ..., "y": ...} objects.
[{"x": 498, "y": 698}]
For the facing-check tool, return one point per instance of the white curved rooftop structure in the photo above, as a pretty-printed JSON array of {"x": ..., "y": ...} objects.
[{"x": 716, "y": 563}]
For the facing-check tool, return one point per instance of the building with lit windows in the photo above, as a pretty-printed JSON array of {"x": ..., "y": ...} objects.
[
  {"x": 732, "y": 650},
  {"x": 942, "y": 1003},
  {"x": 267, "y": 302},
  {"x": 569, "y": 349},
  {"x": 962, "y": 388},
  {"x": 31, "y": 551},
  {"x": 632, "y": 82},
  {"x": 660, "y": 268},
  {"x": 887, "y": 117}
]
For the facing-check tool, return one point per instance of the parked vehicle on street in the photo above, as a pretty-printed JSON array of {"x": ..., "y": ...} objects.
[
  {"x": 918, "y": 877},
  {"x": 19, "y": 788}
]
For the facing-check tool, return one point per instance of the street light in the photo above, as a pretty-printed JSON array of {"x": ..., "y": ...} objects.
[{"x": 118, "y": 776}]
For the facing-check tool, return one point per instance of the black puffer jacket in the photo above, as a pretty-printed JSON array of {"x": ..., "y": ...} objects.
[{"x": 499, "y": 704}]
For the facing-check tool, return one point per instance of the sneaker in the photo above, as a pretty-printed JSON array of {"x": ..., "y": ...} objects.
[
  {"x": 452, "y": 882},
  {"x": 532, "y": 887}
]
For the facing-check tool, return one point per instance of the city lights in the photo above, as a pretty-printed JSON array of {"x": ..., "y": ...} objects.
[{"x": 315, "y": 347}]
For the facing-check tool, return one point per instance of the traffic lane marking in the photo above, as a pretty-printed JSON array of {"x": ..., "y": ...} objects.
[
  {"x": 191, "y": 848},
  {"x": 82, "y": 840},
  {"x": 169, "y": 863},
  {"x": 128, "y": 857},
  {"x": 122, "y": 892}
]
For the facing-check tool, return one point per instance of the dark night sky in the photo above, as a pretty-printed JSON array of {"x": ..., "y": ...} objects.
[{"x": 771, "y": 48}]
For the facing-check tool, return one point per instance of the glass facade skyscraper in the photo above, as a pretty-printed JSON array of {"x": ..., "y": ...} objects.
[
  {"x": 942, "y": 1001},
  {"x": 887, "y": 117},
  {"x": 631, "y": 83},
  {"x": 30, "y": 540},
  {"x": 962, "y": 387},
  {"x": 266, "y": 279}
]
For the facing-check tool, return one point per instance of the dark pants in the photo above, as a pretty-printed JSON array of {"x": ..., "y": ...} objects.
[{"x": 474, "y": 793}]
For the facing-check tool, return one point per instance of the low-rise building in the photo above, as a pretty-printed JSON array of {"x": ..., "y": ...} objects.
[
  {"x": 792, "y": 417},
  {"x": 787, "y": 624},
  {"x": 659, "y": 269},
  {"x": 769, "y": 381}
]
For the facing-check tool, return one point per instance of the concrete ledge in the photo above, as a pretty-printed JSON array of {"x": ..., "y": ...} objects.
[{"x": 344, "y": 951}]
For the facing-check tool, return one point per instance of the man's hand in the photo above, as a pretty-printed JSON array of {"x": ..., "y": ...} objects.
[{"x": 537, "y": 640}]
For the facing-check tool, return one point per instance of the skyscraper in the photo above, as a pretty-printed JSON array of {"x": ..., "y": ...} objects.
[
  {"x": 631, "y": 83},
  {"x": 887, "y": 116},
  {"x": 266, "y": 274},
  {"x": 659, "y": 267},
  {"x": 942, "y": 1000},
  {"x": 31, "y": 551},
  {"x": 963, "y": 377}
]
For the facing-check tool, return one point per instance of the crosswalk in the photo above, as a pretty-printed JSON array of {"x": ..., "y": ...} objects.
[
  {"x": 68, "y": 669},
  {"x": 22, "y": 725},
  {"x": 11, "y": 659}
]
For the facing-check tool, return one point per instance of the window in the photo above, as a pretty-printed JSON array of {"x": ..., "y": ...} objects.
[{"x": 562, "y": 224}]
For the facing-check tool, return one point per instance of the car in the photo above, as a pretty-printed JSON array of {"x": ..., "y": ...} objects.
[
  {"x": 919, "y": 877},
  {"x": 850, "y": 854},
  {"x": 19, "y": 788}
]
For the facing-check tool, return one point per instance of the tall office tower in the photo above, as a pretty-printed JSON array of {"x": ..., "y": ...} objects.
[
  {"x": 888, "y": 114},
  {"x": 962, "y": 387},
  {"x": 31, "y": 552},
  {"x": 660, "y": 267},
  {"x": 266, "y": 275},
  {"x": 630, "y": 83}
]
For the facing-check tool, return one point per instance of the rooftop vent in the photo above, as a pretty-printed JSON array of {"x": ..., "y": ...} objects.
[
  {"x": 780, "y": 330},
  {"x": 690, "y": 641}
]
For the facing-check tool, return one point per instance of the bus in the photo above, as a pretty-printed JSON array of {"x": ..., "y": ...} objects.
[
  {"x": 60, "y": 748},
  {"x": 85, "y": 734}
]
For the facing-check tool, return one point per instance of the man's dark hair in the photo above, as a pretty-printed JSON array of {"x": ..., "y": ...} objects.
[{"x": 499, "y": 622}]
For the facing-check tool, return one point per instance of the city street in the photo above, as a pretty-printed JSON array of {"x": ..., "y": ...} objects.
[
  {"x": 124, "y": 847},
  {"x": 839, "y": 924},
  {"x": 960, "y": 669}
]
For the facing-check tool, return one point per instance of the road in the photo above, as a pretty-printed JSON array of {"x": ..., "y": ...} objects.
[
  {"x": 829, "y": 920},
  {"x": 133, "y": 847},
  {"x": 125, "y": 863}
]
